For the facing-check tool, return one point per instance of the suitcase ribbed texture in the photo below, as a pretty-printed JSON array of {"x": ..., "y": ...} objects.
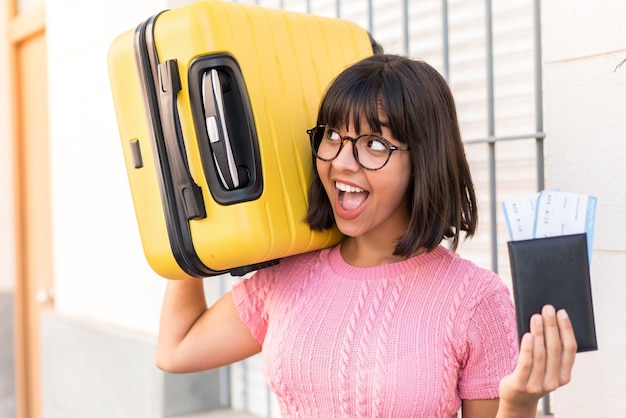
[{"x": 286, "y": 60}]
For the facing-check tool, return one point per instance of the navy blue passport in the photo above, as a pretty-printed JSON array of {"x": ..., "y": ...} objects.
[{"x": 554, "y": 271}]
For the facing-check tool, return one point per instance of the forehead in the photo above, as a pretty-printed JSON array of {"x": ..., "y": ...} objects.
[{"x": 359, "y": 115}]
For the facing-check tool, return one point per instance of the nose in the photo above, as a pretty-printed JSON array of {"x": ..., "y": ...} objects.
[{"x": 346, "y": 160}]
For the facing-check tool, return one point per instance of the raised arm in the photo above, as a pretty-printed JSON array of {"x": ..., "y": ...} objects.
[{"x": 193, "y": 337}]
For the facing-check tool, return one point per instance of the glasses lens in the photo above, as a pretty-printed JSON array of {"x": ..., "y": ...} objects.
[
  {"x": 326, "y": 143},
  {"x": 373, "y": 151}
]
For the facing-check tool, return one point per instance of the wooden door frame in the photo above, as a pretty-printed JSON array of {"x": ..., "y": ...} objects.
[{"x": 22, "y": 27}]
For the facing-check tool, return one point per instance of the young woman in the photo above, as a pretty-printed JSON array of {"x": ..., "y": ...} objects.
[{"x": 389, "y": 323}]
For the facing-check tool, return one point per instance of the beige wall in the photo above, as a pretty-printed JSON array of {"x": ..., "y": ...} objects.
[
  {"x": 585, "y": 114},
  {"x": 7, "y": 250}
]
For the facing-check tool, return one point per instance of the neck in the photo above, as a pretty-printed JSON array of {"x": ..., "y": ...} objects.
[{"x": 361, "y": 252}]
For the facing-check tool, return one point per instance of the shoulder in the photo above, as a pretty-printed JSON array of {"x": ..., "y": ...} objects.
[
  {"x": 306, "y": 259},
  {"x": 293, "y": 267},
  {"x": 483, "y": 308},
  {"x": 301, "y": 263},
  {"x": 477, "y": 295},
  {"x": 478, "y": 278},
  {"x": 272, "y": 286}
]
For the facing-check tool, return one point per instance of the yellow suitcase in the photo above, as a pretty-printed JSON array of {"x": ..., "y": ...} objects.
[{"x": 213, "y": 100}]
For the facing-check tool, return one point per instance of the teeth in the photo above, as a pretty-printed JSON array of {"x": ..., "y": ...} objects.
[{"x": 347, "y": 188}]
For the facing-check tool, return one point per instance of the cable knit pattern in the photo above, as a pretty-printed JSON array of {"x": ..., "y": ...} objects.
[
  {"x": 382, "y": 347},
  {"x": 365, "y": 350},
  {"x": 294, "y": 305},
  {"x": 408, "y": 339},
  {"x": 346, "y": 352},
  {"x": 451, "y": 362}
]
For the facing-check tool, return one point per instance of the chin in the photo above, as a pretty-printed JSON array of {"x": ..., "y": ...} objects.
[{"x": 348, "y": 230}]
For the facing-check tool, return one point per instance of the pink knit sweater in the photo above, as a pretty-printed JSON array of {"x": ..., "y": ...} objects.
[{"x": 409, "y": 339}]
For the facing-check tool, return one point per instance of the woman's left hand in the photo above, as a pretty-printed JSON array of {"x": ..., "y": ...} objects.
[{"x": 545, "y": 363}]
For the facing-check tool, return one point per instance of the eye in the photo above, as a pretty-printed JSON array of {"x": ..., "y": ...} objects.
[
  {"x": 376, "y": 144},
  {"x": 332, "y": 135}
]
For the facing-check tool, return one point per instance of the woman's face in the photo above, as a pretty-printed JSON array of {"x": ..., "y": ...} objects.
[{"x": 364, "y": 201}]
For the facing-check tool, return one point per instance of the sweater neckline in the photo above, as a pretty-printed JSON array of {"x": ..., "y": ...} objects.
[{"x": 343, "y": 269}]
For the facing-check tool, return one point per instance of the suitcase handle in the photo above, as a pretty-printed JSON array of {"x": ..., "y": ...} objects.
[
  {"x": 219, "y": 137},
  {"x": 189, "y": 191},
  {"x": 227, "y": 137}
]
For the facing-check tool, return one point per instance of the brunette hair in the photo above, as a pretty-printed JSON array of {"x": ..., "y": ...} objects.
[{"x": 422, "y": 114}]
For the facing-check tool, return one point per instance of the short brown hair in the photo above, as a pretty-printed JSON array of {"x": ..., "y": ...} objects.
[{"x": 422, "y": 114}]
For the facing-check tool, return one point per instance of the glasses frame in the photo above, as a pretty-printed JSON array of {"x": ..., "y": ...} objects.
[{"x": 391, "y": 148}]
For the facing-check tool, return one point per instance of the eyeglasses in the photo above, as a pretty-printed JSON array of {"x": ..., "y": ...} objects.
[{"x": 371, "y": 151}]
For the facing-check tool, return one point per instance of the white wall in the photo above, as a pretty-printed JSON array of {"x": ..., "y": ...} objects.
[
  {"x": 100, "y": 273},
  {"x": 585, "y": 114}
]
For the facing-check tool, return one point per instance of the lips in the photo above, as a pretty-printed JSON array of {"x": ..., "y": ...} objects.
[{"x": 351, "y": 197}]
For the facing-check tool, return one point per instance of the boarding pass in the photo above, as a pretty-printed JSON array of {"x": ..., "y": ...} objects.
[{"x": 550, "y": 213}]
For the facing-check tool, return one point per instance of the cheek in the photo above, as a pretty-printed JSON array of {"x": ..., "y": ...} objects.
[
  {"x": 398, "y": 195},
  {"x": 322, "y": 169},
  {"x": 318, "y": 166},
  {"x": 397, "y": 189}
]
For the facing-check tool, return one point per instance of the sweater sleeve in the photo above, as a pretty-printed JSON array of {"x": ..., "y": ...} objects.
[
  {"x": 250, "y": 296},
  {"x": 491, "y": 343}
]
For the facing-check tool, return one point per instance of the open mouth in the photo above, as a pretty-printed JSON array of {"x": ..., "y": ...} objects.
[{"x": 351, "y": 197}]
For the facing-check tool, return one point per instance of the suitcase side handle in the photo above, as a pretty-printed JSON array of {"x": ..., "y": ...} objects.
[
  {"x": 189, "y": 192},
  {"x": 160, "y": 88}
]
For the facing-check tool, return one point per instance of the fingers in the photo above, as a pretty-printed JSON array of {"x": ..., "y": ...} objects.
[
  {"x": 545, "y": 360},
  {"x": 553, "y": 350},
  {"x": 528, "y": 375},
  {"x": 538, "y": 369},
  {"x": 568, "y": 341}
]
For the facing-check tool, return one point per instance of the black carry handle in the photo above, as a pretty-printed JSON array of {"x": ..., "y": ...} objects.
[
  {"x": 219, "y": 137},
  {"x": 189, "y": 192},
  {"x": 227, "y": 137}
]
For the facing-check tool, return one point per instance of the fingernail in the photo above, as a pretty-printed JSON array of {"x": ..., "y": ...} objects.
[
  {"x": 538, "y": 320},
  {"x": 548, "y": 310},
  {"x": 562, "y": 313}
]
